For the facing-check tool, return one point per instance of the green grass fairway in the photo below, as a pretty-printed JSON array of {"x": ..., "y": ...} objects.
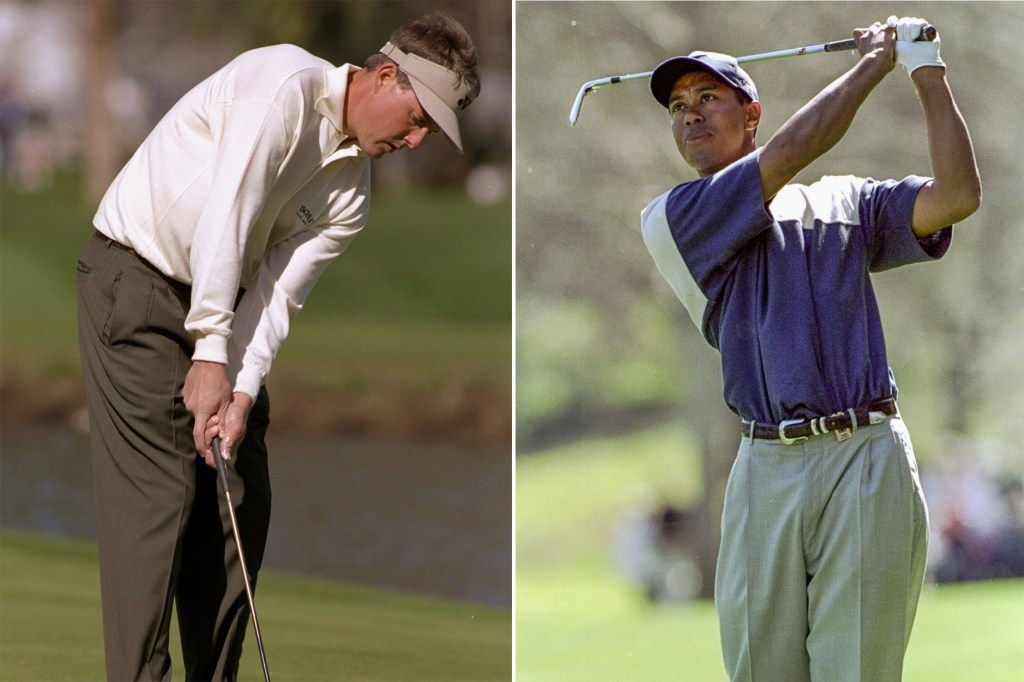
[
  {"x": 969, "y": 632},
  {"x": 578, "y": 619},
  {"x": 50, "y": 626}
]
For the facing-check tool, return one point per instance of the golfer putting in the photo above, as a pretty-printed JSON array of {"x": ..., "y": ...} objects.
[
  {"x": 206, "y": 244},
  {"x": 824, "y": 527}
]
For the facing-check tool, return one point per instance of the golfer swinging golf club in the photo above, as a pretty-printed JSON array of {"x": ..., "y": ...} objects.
[
  {"x": 824, "y": 527},
  {"x": 206, "y": 244}
]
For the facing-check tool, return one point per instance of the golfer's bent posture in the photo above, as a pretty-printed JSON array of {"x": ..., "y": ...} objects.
[
  {"x": 206, "y": 244},
  {"x": 824, "y": 527}
]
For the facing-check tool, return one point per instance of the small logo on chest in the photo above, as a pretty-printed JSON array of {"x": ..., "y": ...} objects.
[{"x": 305, "y": 215}]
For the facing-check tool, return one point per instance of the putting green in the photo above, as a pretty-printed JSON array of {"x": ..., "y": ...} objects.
[{"x": 312, "y": 630}]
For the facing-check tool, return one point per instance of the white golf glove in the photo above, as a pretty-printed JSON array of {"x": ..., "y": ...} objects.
[{"x": 911, "y": 52}]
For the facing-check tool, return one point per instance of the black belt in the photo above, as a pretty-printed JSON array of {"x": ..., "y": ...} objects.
[
  {"x": 117, "y": 245},
  {"x": 842, "y": 424}
]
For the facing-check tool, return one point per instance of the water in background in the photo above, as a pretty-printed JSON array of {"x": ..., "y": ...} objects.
[{"x": 434, "y": 520}]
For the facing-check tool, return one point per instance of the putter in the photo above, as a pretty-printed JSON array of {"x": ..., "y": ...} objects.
[
  {"x": 222, "y": 469},
  {"x": 928, "y": 33}
]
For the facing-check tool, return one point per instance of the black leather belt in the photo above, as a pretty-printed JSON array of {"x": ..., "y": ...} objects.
[
  {"x": 117, "y": 245},
  {"x": 841, "y": 424}
]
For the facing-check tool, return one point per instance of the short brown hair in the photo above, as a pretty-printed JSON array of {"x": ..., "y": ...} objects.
[{"x": 436, "y": 37}]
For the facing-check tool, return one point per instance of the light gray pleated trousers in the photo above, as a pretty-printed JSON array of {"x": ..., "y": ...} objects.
[{"x": 822, "y": 559}]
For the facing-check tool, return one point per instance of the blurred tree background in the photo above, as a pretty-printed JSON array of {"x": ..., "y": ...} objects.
[
  {"x": 124, "y": 63},
  {"x": 603, "y": 346}
]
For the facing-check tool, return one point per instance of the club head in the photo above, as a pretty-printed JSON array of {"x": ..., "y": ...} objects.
[
  {"x": 577, "y": 104},
  {"x": 590, "y": 86}
]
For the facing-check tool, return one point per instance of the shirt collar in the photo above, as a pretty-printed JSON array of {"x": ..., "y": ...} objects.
[{"x": 331, "y": 105}]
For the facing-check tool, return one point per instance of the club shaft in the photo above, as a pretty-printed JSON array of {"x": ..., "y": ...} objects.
[
  {"x": 590, "y": 86},
  {"x": 929, "y": 33},
  {"x": 222, "y": 471},
  {"x": 834, "y": 46}
]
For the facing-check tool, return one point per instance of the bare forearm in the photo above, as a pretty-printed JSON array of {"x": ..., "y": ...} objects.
[
  {"x": 955, "y": 191},
  {"x": 820, "y": 124}
]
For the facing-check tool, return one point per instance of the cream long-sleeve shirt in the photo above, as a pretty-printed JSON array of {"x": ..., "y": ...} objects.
[{"x": 245, "y": 183}]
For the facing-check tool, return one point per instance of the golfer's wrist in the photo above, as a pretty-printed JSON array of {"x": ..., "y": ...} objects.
[
  {"x": 928, "y": 76},
  {"x": 208, "y": 366},
  {"x": 243, "y": 400},
  {"x": 877, "y": 64}
]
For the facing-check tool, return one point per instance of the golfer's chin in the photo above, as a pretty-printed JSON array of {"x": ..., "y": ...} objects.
[
  {"x": 707, "y": 163},
  {"x": 380, "y": 149}
]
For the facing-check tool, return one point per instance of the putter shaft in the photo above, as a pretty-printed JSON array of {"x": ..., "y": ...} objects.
[{"x": 222, "y": 470}]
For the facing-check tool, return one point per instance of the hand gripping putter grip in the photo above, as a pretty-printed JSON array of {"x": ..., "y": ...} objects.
[
  {"x": 222, "y": 469},
  {"x": 927, "y": 33}
]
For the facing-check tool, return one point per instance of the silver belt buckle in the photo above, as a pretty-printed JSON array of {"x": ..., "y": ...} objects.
[{"x": 782, "y": 432}]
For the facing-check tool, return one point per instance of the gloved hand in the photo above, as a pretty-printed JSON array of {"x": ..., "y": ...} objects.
[{"x": 911, "y": 52}]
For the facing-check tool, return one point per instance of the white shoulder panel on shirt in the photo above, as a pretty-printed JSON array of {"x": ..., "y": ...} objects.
[
  {"x": 658, "y": 238},
  {"x": 833, "y": 199}
]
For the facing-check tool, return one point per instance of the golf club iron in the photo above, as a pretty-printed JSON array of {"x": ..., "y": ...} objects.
[
  {"x": 928, "y": 33},
  {"x": 222, "y": 469}
]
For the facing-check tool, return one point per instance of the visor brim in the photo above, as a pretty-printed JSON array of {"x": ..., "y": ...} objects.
[{"x": 438, "y": 111}]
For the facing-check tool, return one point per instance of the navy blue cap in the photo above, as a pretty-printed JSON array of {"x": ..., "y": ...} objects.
[{"x": 722, "y": 65}]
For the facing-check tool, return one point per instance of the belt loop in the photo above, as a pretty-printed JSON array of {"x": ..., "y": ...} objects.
[
  {"x": 753, "y": 423},
  {"x": 853, "y": 418}
]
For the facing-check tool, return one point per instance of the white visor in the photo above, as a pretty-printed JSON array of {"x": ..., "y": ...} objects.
[{"x": 438, "y": 90}]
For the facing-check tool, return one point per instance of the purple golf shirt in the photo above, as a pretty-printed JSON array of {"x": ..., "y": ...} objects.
[{"x": 783, "y": 292}]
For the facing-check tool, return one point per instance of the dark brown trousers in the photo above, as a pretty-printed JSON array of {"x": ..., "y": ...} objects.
[{"x": 163, "y": 528}]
